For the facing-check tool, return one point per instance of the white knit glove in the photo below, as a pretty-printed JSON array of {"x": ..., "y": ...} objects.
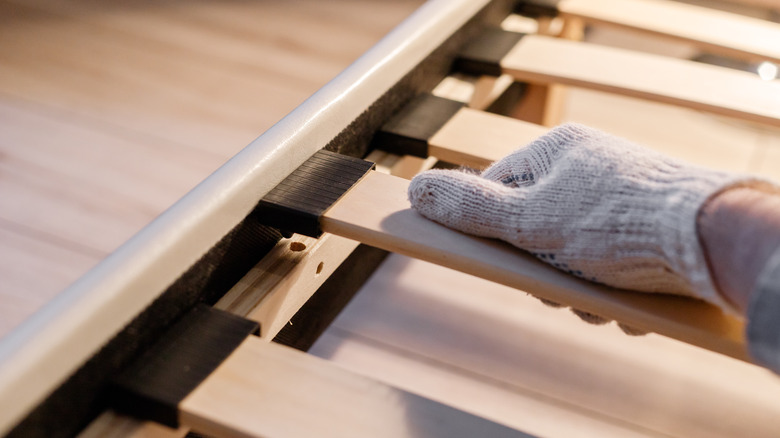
[{"x": 590, "y": 204}]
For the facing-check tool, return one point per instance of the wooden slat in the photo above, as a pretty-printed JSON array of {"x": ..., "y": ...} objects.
[
  {"x": 709, "y": 29},
  {"x": 497, "y": 352},
  {"x": 742, "y": 95},
  {"x": 112, "y": 425},
  {"x": 475, "y": 392},
  {"x": 476, "y": 139},
  {"x": 267, "y": 390},
  {"x": 376, "y": 211},
  {"x": 766, "y": 161},
  {"x": 695, "y": 137}
]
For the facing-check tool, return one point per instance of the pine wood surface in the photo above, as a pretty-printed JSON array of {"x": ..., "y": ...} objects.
[
  {"x": 707, "y": 28},
  {"x": 545, "y": 60},
  {"x": 110, "y": 112},
  {"x": 476, "y": 138},
  {"x": 308, "y": 396},
  {"x": 491, "y": 351}
]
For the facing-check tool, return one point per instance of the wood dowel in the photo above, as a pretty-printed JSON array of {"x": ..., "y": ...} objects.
[
  {"x": 268, "y": 390},
  {"x": 376, "y": 211},
  {"x": 716, "y": 31},
  {"x": 742, "y": 95}
]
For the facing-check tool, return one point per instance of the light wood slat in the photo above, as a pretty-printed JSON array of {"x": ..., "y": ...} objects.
[
  {"x": 112, "y": 425},
  {"x": 695, "y": 137},
  {"x": 267, "y": 390},
  {"x": 376, "y": 211},
  {"x": 491, "y": 398},
  {"x": 767, "y": 159},
  {"x": 742, "y": 95},
  {"x": 477, "y": 92},
  {"x": 476, "y": 139},
  {"x": 709, "y": 29},
  {"x": 451, "y": 336}
]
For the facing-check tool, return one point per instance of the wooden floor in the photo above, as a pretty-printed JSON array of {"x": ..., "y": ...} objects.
[{"x": 111, "y": 111}]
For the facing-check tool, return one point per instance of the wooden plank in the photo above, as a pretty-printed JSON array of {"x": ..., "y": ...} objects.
[
  {"x": 476, "y": 139},
  {"x": 766, "y": 160},
  {"x": 706, "y": 28},
  {"x": 376, "y": 212},
  {"x": 113, "y": 425},
  {"x": 498, "y": 352},
  {"x": 267, "y": 390},
  {"x": 732, "y": 93},
  {"x": 681, "y": 133},
  {"x": 436, "y": 378}
]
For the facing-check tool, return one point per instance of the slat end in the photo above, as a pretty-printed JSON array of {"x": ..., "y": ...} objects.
[
  {"x": 408, "y": 131},
  {"x": 153, "y": 386},
  {"x": 483, "y": 55},
  {"x": 298, "y": 202}
]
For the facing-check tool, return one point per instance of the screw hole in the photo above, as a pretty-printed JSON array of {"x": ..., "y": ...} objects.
[
  {"x": 319, "y": 268},
  {"x": 297, "y": 246}
]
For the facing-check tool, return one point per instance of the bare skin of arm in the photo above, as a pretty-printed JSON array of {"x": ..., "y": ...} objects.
[{"x": 739, "y": 230}]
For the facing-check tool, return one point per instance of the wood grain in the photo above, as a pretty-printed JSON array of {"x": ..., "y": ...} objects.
[
  {"x": 109, "y": 113},
  {"x": 498, "y": 352},
  {"x": 475, "y": 138},
  {"x": 702, "y": 87},
  {"x": 706, "y": 28},
  {"x": 308, "y": 396}
]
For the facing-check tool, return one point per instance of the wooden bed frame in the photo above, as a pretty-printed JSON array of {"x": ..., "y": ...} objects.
[{"x": 204, "y": 248}]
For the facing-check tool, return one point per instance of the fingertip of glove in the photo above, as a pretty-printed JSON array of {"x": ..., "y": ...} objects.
[
  {"x": 427, "y": 187},
  {"x": 422, "y": 188}
]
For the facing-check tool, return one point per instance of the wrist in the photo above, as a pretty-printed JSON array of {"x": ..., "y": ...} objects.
[{"x": 739, "y": 229}]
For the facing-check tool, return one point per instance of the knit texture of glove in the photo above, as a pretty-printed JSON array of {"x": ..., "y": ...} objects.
[{"x": 593, "y": 205}]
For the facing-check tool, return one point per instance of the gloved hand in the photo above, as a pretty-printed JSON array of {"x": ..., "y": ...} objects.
[{"x": 593, "y": 205}]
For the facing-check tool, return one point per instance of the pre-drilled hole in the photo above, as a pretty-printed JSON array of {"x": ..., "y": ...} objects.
[
  {"x": 319, "y": 268},
  {"x": 297, "y": 246}
]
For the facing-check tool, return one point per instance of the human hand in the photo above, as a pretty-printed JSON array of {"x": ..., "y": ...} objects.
[{"x": 593, "y": 205}]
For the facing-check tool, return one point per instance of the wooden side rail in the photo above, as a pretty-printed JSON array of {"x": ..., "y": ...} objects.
[
  {"x": 545, "y": 60},
  {"x": 712, "y": 30}
]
